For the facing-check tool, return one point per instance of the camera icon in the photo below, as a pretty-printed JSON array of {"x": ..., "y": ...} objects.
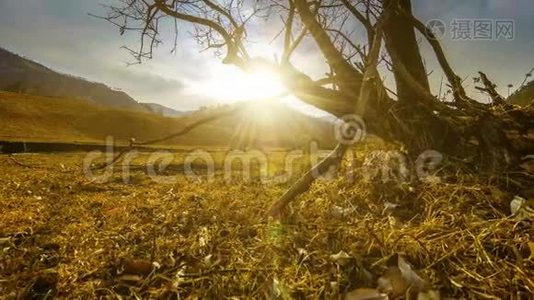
[{"x": 435, "y": 29}]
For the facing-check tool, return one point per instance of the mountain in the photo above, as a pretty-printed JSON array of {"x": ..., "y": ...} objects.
[
  {"x": 524, "y": 95},
  {"x": 257, "y": 125},
  {"x": 165, "y": 111},
  {"x": 39, "y": 104},
  {"x": 21, "y": 75}
]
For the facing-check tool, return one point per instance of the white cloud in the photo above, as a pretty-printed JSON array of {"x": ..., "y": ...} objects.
[{"x": 60, "y": 34}]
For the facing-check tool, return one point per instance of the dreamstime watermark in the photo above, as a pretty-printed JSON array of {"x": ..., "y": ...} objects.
[
  {"x": 201, "y": 165},
  {"x": 394, "y": 166},
  {"x": 350, "y": 129},
  {"x": 254, "y": 165},
  {"x": 472, "y": 29}
]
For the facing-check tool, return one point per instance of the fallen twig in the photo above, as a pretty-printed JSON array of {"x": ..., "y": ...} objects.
[
  {"x": 303, "y": 184},
  {"x": 20, "y": 163},
  {"x": 334, "y": 157},
  {"x": 184, "y": 130}
]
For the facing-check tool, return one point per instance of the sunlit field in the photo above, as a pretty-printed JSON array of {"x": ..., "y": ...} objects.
[
  {"x": 286, "y": 149},
  {"x": 69, "y": 236}
]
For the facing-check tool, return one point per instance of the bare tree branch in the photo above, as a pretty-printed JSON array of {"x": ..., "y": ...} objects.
[
  {"x": 332, "y": 55},
  {"x": 454, "y": 80},
  {"x": 364, "y": 20},
  {"x": 303, "y": 183},
  {"x": 232, "y": 45},
  {"x": 367, "y": 90},
  {"x": 489, "y": 88}
]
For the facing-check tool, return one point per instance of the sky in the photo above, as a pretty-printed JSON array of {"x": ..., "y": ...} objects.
[{"x": 63, "y": 36}]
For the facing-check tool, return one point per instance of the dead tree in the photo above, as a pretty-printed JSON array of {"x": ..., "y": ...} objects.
[{"x": 492, "y": 136}]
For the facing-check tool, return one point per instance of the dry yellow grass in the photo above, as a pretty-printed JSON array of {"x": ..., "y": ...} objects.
[
  {"x": 81, "y": 239},
  {"x": 45, "y": 119},
  {"x": 34, "y": 118}
]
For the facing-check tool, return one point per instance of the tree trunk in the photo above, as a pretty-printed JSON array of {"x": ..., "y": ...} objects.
[
  {"x": 422, "y": 129},
  {"x": 400, "y": 38}
]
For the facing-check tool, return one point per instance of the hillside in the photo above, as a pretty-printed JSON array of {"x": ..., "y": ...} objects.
[
  {"x": 21, "y": 75},
  {"x": 524, "y": 95},
  {"x": 164, "y": 110},
  {"x": 266, "y": 124},
  {"x": 35, "y": 118}
]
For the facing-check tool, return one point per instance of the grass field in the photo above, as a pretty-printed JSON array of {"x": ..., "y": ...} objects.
[
  {"x": 34, "y": 118},
  {"x": 45, "y": 119},
  {"x": 64, "y": 235}
]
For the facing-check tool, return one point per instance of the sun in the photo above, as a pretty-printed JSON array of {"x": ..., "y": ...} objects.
[{"x": 231, "y": 84}]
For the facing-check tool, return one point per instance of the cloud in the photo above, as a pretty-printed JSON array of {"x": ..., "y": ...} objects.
[
  {"x": 145, "y": 82},
  {"x": 60, "y": 34}
]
